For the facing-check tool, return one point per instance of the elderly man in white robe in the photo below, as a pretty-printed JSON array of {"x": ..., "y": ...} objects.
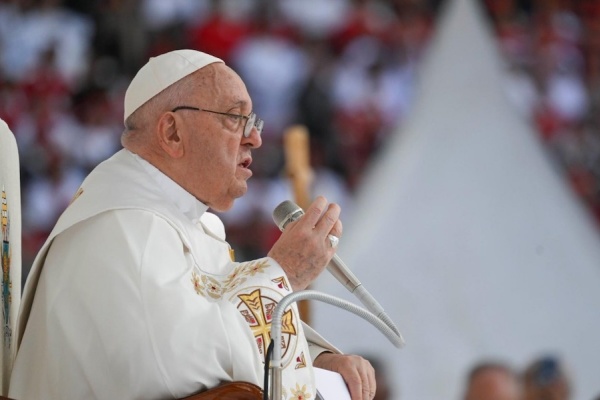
[{"x": 135, "y": 294}]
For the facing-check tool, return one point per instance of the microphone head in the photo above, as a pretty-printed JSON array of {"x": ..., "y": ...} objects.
[{"x": 286, "y": 212}]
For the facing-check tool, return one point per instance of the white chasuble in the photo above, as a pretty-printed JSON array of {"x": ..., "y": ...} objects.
[
  {"x": 255, "y": 293},
  {"x": 135, "y": 296}
]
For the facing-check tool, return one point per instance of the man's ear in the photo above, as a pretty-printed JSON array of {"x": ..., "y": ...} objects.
[{"x": 169, "y": 137}]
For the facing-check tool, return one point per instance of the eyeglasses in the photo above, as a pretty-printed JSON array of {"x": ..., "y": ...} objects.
[{"x": 251, "y": 120}]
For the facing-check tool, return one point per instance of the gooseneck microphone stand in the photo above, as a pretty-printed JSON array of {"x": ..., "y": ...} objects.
[{"x": 384, "y": 325}]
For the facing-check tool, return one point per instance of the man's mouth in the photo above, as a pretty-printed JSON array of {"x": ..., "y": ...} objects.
[{"x": 245, "y": 163}]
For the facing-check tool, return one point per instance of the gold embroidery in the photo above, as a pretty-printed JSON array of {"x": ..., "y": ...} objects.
[
  {"x": 6, "y": 286},
  {"x": 287, "y": 322},
  {"x": 257, "y": 267},
  {"x": 301, "y": 361},
  {"x": 255, "y": 307},
  {"x": 260, "y": 316},
  {"x": 281, "y": 283},
  {"x": 300, "y": 393},
  {"x": 4, "y": 214},
  {"x": 211, "y": 286}
]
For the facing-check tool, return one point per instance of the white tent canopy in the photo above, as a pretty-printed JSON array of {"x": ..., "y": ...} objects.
[{"x": 468, "y": 236}]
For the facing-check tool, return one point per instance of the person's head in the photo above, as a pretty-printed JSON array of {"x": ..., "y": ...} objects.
[
  {"x": 190, "y": 115},
  {"x": 546, "y": 379},
  {"x": 492, "y": 381}
]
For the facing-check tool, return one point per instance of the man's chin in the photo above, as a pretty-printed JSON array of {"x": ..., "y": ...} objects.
[{"x": 227, "y": 204}]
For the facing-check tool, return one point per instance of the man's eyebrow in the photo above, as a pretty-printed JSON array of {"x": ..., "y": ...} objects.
[{"x": 237, "y": 104}]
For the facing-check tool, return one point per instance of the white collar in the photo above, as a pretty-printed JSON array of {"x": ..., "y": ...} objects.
[{"x": 183, "y": 200}]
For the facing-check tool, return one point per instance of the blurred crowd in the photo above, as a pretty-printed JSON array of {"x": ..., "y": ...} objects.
[
  {"x": 546, "y": 377},
  {"x": 346, "y": 69}
]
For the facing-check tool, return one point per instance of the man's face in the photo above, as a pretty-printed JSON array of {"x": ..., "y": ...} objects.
[
  {"x": 493, "y": 385},
  {"x": 217, "y": 155}
]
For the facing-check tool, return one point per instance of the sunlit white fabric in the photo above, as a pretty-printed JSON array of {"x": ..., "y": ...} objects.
[{"x": 138, "y": 299}]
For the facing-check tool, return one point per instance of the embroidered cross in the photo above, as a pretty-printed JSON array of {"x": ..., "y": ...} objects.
[{"x": 261, "y": 318}]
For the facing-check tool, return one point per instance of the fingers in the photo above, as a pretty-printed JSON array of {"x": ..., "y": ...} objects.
[
  {"x": 372, "y": 381},
  {"x": 319, "y": 221},
  {"x": 361, "y": 382},
  {"x": 324, "y": 218},
  {"x": 304, "y": 249},
  {"x": 337, "y": 229},
  {"x": 357, "y": 372},
  {"x": 325, "y": 223}
]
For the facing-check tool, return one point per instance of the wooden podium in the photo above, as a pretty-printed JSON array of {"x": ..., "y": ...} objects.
[
  {"x": 226, "y": 391},
  {"x": 230, "y": 391}
]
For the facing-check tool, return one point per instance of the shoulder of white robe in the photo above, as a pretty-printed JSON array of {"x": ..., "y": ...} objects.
[{"x": 214, "y": 224}]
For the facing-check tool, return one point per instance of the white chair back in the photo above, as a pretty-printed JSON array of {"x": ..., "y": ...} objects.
[{"x": 10, "y": 250}]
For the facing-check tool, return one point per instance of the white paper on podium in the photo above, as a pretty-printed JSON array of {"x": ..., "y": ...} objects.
[{"x": 330, "y": 385}]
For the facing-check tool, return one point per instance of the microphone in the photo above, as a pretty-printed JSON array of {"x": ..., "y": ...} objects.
[{"x": 287, "y": 212}]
